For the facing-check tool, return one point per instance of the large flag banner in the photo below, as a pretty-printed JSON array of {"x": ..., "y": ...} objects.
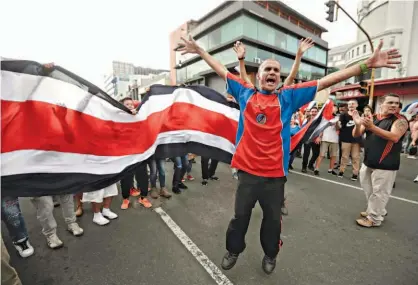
[
  {"x": 61, "y": 134},
  {"x": 315, "y": 127}
]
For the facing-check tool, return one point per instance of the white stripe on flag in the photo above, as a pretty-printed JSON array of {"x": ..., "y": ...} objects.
[
  {"x": 20, "y": 87},
  {"x": 38, "y": 161}
]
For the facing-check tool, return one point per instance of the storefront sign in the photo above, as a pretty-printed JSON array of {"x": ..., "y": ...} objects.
[{"x": 349, "y": 94}]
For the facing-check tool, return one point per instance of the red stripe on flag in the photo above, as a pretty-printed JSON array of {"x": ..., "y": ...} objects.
[
  {"x": 43, "y": 126},
  {"x": 328, "y": 111},
  {"x": 294, "y": 141}
]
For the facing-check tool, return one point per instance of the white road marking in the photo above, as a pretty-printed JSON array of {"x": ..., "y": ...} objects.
[
  {"x": 207, "y": 264},
  {"x": 350, "y": 186}
]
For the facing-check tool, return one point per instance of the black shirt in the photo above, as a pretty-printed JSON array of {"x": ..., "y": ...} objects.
[
  {"x": 346, "y": 131},
  {"x": 380, "y": 153}
]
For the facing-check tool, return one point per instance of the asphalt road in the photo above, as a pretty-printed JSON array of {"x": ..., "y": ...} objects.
[{"x": 322, "y": 243}]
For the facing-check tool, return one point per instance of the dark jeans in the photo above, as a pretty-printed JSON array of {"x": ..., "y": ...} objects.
[
  {"x": 307, "y": 151},
  {"x": 340, "y": 153},
  {"x": 180, "y": 167},
  {"x": 141, "y": 177},
  {"x": 293, "y": 155},
  {"x": 13, "y": 218},
  {"x": 208, "y": 170},
  {"x": 269, "y": 192},
  {"x": 154, "y": 165}
]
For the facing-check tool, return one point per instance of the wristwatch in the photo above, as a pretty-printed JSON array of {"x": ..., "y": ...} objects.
[{"x": 241, "y": 58}]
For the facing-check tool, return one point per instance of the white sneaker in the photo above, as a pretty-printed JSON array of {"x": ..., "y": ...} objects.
[
  {"x": 75, "y": 229},
  {"x": 99, "y": 219},
  {"x": 416, "y": 179},
  {"x": 411, "y": 157},
  {"x": 24, "y": 248},
  {"x": 54, "y": 242},
  {"x": 109, "y": 214}
]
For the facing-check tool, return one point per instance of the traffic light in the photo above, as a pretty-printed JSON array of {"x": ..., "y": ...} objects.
[
  {"x": 331, "y": 10},
  {"x": 364, "y": 88}
]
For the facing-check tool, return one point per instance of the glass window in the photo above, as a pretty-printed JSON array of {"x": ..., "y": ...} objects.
[
  {"x": 291, "y": 43},
  {"x": 305, "y": 71},
  {"x": 280, "y": 39},
  {"x": 226, "y": 57},
  {"x": 311, "y": 53},
  {"x": 320, "y": 55},
  {"x": 250, "y": 53},
  {"x": 352, "y": 54},
  {"x": 231, "y": 30},
  {"x": 203, "y": 42},
  {"x": 215, "y": 38},
  {"x": 250, "y": 27},
  {"x": 264, "y": 55},
  {"x": 285, "y": 63},
  {"x": 317, "y": 72},
  {"x": 358, "y": 51},
  {"x": 392, "y": 42},
  {"x": 364, "y": 48},
  {"x": 181, "y": 75},
  {"x": 266, "y": 34}
]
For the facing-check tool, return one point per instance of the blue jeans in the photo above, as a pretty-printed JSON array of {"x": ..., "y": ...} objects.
[
  {"x": 189, "y": 167},
  {"x": 157, "y": 164},
  {"x": 13, "y": 218},
  {"x": 180, "y": 168}
]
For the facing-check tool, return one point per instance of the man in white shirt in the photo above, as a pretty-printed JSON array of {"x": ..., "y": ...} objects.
[{"x": 329, "y": 142}]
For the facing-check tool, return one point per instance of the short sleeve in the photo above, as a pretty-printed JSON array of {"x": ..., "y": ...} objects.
[
  {"x": 301, "y": 94},
  {"x": 236, "y": 86}
]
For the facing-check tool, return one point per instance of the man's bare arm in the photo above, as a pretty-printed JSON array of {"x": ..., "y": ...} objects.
[
  {"x": 240, "y": 50},
  {"x": 295, "y": 68},
  {"x": 358, "y": 131},
  {"x": 399, "y": 128},
  {"x": 377, "y": 60},
  {"x": 243, "y": 72},
  {"x": 304, "y": 45}
]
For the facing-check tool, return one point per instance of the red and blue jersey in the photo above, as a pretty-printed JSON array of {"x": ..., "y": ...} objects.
[{"x": 263, "y": 136}]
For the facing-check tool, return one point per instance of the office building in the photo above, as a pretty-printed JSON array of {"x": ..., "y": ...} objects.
[
  {"x": 269, "y": 29},
  {"x": 396, "y": 22}
]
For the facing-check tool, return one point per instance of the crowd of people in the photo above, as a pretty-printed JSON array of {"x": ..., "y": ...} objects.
[
  {"x": 259, "y": 161},
  {"x": 338, "y": 143}
]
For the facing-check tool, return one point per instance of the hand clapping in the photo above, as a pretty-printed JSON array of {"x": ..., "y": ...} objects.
[
  {"x": 356, "y": 117},
  {"x": 367, "y": 122}
]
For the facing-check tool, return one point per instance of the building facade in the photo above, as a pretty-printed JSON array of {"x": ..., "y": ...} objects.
[
  {"x": 175, "y": 57},
  {"x": 396, "y": 22},
  {"x": 126, "y": 78},
  {"x": 269, "y": 29}
]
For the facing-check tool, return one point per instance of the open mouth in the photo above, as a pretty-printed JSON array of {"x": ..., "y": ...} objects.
[{"x": 271, "y": 80}]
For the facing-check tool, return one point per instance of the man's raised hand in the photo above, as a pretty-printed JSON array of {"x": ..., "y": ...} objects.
[
  {"x": 189, "y": 46},
  {"x": 386, "y": 58},
  {"x": 304, "y": 45},
  {"x": 356, "y": 117},
  {"x": 239, "y": 49}
]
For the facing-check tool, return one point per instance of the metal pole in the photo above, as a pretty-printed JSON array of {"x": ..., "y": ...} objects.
[{"x": 371, "y": 48}]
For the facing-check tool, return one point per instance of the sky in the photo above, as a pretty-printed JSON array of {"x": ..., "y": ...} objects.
[{"x": 85, "y": 36}]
